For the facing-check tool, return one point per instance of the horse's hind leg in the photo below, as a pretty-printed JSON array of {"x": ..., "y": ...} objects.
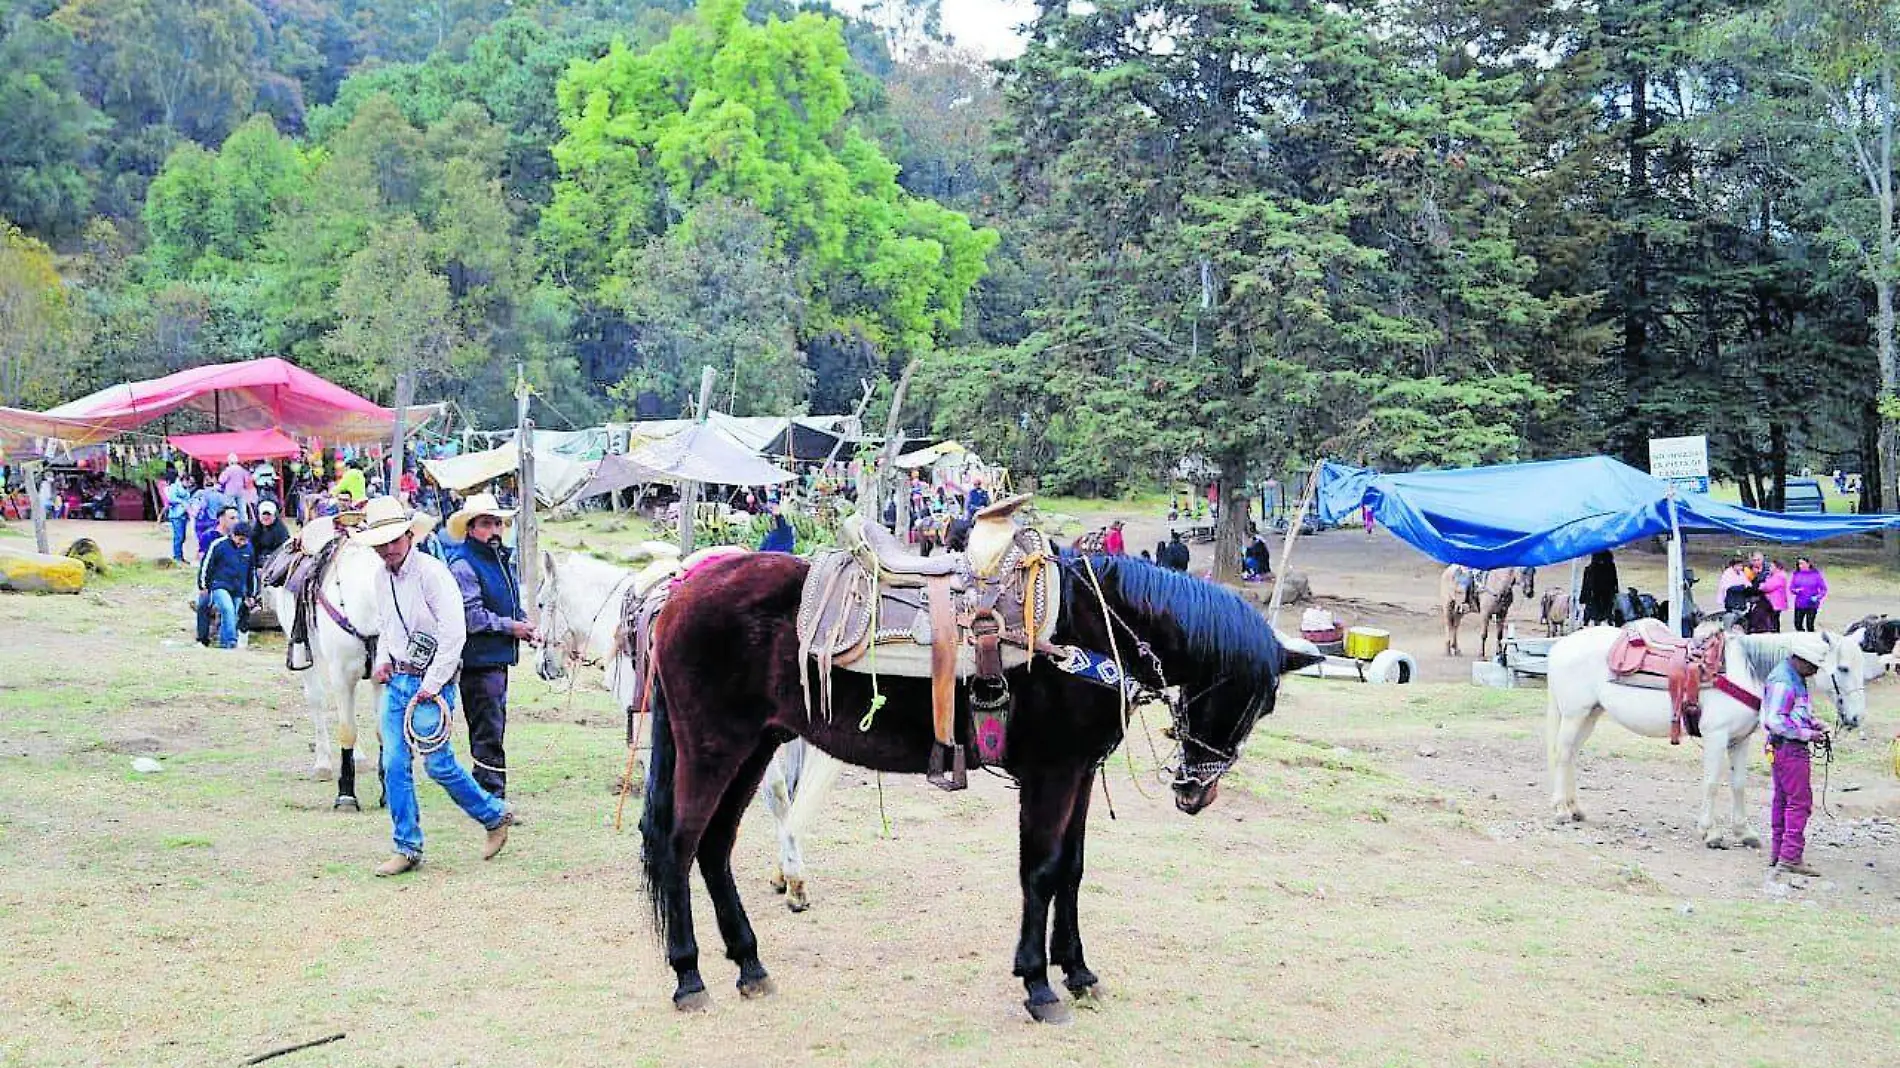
[
  {"x": 1065, "y": 949},
  {"x": 1737, "y": 781},
  {"x": 323, "y": 738},
  {"x": 715, "y": 867},
  {"x": 775, "y": 793},
  {"x": 1571, "y": 729}
]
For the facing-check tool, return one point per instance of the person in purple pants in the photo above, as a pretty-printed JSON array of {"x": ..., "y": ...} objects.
[{"x": 1787, "y": 717}]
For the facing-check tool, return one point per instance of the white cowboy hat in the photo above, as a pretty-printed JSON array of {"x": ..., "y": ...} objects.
[
  {"x": 478, "y": 505},
  {"x": 1810, "y": 647},
  {"x": 385, "y": 519}
]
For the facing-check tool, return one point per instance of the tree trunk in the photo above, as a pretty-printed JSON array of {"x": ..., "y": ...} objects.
[
  {"x": 1777, "y": 466},
  {"x": 1231, "y": 531},
  {"x": 1636, "y": 306},
  {"x": 1883, "y": 328}
]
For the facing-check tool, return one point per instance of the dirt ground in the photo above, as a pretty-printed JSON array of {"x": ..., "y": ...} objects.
[{"x": 1378, "y": 886}]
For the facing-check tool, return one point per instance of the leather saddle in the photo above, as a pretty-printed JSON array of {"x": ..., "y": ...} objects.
[
  {"x": 1646, "y": 653},
  {"x": 876, "y": 608}
]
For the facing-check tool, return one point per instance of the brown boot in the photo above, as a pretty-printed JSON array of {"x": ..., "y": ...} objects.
[
  {"x": 498, "y": 835},
  {"x": 1799, "y": 867},
  {"x": 398, "y": 864}
]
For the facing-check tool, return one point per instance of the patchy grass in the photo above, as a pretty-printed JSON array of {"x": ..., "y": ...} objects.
[{"x": 1333, "y": 908}]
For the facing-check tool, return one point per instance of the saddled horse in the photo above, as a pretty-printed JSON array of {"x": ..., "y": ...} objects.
[
  {"x": 719, "y": 717},
  {"x": 1582, "y": 689},
  {"x": 1462, "y": 590},
  {"x": 342, "y": 627},
  {"x": 581, "y": 612}
]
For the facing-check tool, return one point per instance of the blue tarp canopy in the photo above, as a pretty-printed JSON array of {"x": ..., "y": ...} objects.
[{"x": 1524, "y": 515}]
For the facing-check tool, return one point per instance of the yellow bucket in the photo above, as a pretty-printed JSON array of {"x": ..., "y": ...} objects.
[{"x": 1364, "y": 643}]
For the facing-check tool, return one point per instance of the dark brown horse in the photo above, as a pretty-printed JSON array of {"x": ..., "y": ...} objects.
[{"x": 729, "y": 695}]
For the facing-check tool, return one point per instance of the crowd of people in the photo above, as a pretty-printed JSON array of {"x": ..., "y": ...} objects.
[{"x": 1759, "y": 590}]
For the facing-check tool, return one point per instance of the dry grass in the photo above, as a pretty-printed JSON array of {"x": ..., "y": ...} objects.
[{"x": 1334, "y": 908}]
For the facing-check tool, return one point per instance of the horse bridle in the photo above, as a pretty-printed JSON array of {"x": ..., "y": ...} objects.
[
  {"x": 1199, "y": 775},
  {"x": 558, "y": 636}
]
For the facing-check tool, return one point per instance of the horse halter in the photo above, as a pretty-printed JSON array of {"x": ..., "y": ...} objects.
[{"x": 1202, "y": 774}]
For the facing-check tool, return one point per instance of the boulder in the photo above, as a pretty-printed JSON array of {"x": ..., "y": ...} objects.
[{"x": 22, "y": 571}]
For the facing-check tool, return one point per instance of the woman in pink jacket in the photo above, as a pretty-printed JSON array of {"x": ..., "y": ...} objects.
[
  {"x": 1808, "y": 587},
  {"x": 1774, "y": 586}
]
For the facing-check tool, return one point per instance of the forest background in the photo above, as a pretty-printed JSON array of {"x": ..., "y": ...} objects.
[{"x": 1254, "y": 232}]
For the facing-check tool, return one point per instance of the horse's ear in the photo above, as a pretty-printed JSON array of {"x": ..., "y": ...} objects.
[{"x": 1293, "y": 660}]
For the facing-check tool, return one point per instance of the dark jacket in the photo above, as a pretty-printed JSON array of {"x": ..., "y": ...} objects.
[
  {"x": 978, "y": 500},
  {"x": 490, "y": 601},
  {"x": 267, "y": 538},
  {"x": 226, "y": 567}
]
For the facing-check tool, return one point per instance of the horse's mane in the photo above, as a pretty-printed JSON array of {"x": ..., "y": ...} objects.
[
  {"x": 1763, "y": 652},
  {"x": 1218, "y": 628}
]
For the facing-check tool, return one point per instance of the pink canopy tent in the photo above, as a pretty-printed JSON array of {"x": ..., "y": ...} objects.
[
  {"x": 251, "y": 395},
  {"x": 21, "y": 431},
  {"x": 249, "y": 445}
]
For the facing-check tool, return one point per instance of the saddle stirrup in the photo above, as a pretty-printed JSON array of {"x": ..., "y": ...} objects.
[{"x": 949, "y": 767}]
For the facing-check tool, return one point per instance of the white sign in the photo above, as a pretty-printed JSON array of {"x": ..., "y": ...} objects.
[{"x": 1683, "y": 462}]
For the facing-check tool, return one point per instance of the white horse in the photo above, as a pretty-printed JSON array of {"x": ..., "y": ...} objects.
[
  {"x": 348, "y": 584},
  {"x": 578, "y": 607},
  {"x": 1581, "y": 689}
]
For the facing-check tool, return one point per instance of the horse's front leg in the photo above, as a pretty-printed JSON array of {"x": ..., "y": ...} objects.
[
  {"x": 1065, "y": 948},
  {"x": 343, "y": 685},
  {"x": 322, "y": 738},
  {"x": 1047, "y": 805},
  {"x": 1737, "y": 782},
  {"x": 1714, "y": 756}
]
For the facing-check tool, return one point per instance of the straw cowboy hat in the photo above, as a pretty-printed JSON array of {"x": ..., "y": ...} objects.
[
  {"x": 479, "y": 505},
  {"x": 385, "y": 519}
]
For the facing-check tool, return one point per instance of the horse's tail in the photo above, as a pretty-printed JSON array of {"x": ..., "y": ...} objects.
[{"x": 660, "y": 872}]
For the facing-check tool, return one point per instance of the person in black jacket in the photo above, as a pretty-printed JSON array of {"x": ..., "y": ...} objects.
[
  {"x": 1600, "y": 588},
  {"x": 491, "y": 604},
  {"x": 270, "y": 533},
  {"x": 1173, "y": 554},
  {"x": 226, "y": 578}
]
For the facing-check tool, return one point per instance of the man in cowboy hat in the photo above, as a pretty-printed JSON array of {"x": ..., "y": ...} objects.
[
  {"x": 491, "y": 607},
  {"x": 1787, "y": 717},
  {"x": 420, "y": 636}
]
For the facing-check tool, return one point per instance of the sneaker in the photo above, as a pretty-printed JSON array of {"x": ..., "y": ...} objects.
[
  {"x": 398, "y": 864},
  {"x": 498, "y": 835},
  {"x": 1799, "y": 867}
]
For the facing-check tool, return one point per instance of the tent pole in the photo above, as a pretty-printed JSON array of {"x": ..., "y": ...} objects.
[
  {"x": 1576, "y": 591},
  {"x": 527, "y": 530},
  {"x": 1286, "y": 547},
  {"x": 689, "y": 491},
  {"x": 1675, "y": 567}
]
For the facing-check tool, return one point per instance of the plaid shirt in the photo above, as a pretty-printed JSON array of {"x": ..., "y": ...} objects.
[{"x": 1786, "y": 709}]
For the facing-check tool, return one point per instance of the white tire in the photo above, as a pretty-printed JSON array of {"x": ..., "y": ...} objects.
[{"x": 1392, "y": 667}]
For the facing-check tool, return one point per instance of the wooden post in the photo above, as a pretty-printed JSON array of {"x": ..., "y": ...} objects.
[
  {"x": 890, "y": 479},
  {"x": 689, "y": 491},
  {"x": 1286, "y": 547},
  {"x": 527, "y": 530},
  {"x": 35, "y": 472},
  {"x": 405, "y": 394}
]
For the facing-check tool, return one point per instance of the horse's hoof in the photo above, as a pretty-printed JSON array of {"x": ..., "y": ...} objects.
[
  {"x": 345, "y": 803},
  {"x": 1050, "y": 1012},
  {"x": 764, "y": 987},
  {"x": 322, "y": 772},
  {"x": 1751, "y": 840},
  {"x": 1715, "y": 841},
  {"x": 778, "y": 881},
  {"x": 1091, "y": 992},
  {"x": 697, "y": 1001},
  {"x": 795, "y": 897}
]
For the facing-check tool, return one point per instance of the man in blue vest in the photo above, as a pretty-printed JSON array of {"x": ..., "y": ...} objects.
[
  {"x": 491, "y": 601},
  {"x": 226, "y": 580}
]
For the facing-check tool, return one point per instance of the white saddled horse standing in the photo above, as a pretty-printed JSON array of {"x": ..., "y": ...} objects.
[
  {"x": 348, "y": 584},
  {"x": 579, "y": 606},
  {"x": 1582, "y": 689}
]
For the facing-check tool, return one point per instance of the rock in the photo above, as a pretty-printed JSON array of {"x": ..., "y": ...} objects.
[
  {"x": 1339, "y": 751},
  {"x": 1427, "y": 751},
  {"x": 1686, "y": 908},
  {"x": 1849, "y": 787},
  {"x": 146, "y": 765}
]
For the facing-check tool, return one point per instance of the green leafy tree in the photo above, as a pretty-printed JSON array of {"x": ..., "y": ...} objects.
[
  {"x": 713, "y": 292},
  {"x": 394, "y": 313},
  {"x": 209, "y": 212},
  {"x": 39, "y": 332},
  {"x": 47, "y": 129},
  {"x": 189, "y": 65},
  {"x": 757, "y": 113}
]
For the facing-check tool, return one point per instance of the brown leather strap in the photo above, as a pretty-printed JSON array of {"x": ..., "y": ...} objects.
[
  {"x": 943, "y": 658},
  {"x": 986, "y": 634}
]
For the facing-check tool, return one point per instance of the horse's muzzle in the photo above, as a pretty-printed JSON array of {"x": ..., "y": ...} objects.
[
  {"x": 1192, "y": 797},
  {"x": 549, "y": 670}
]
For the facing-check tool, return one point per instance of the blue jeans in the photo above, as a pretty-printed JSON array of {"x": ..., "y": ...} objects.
[
  {"x": 399, "y": 775},
  {"x": 180, "y": 527},
  {"x": 225, "y": 605}
]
